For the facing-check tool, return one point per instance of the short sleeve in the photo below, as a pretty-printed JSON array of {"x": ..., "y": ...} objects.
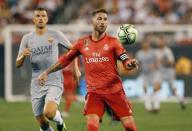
[
  {"x": 70, "y": 55},
  {"x": 76, "y": 46},
  {"x": 23, "y": 44},
  {"x": 62, "y": 39}
]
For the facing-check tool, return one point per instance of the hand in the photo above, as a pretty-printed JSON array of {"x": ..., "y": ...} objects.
[
  {"x": 42, "y": 78},
  {"x": 26, "y": 52},
  {"x": 132, "y": 63},
  {"x": 78, "y": 74}
]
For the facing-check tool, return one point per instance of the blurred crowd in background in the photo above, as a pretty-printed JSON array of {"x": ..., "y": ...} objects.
[
  {"x": 152, "y": 12},
  {"x": 121, "y": 11}
]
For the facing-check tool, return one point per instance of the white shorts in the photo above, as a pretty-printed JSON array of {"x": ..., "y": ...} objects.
[
  {"x": 52, "y": 92},
  {"x": 166, "y": 75},
  {"x": 149, "y": 79}
]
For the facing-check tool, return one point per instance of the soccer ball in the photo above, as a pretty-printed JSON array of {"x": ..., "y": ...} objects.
[{"x": 127, "y": 34}]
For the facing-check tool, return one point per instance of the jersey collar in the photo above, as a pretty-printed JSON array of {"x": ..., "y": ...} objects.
[{"x": 90, "y": 37}]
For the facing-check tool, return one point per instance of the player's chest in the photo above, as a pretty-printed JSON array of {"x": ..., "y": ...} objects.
[
  {"x": 42, "y": 46},
  {"x": 46, "y": 40},
  {"x": 97, "y": 50}
]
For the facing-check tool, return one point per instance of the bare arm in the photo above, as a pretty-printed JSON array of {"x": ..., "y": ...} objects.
[
  {"x": 63, "y": 62},
  {"x": 57, "y": 66},
  {"x": 20, "y": 60},
  {"x": 21, "y": 57}
]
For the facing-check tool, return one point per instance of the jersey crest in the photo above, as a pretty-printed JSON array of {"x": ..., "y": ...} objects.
[
  {"x": 106, "y": 47},
  {"x": 50, "y": 40}
]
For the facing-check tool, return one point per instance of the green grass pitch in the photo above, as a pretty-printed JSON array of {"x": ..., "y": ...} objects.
[{"x": 18, "y": 117}]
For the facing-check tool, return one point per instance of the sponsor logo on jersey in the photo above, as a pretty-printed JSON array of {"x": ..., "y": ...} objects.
[
  {"x": 97, "y": 58},
  {"x": 50, "y": 39},
  {"x": 41, "y": 50}
]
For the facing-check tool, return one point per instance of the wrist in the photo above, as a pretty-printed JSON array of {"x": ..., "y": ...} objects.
[
  {"x": 21, "y": 57},
  {"x": 46, "y": 72}
]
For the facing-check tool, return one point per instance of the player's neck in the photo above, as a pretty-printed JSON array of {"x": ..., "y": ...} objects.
[
  {"x": 96, "y": 36},
  {"x": 40, "y": 31}
]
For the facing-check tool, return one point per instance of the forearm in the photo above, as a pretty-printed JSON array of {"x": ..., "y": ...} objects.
[
  {"x": 128, "y": 63},
  {"x": 63, "y": 62},
  {"x": 124, "y": 59},
  {"x": 57, "y": 66},
  {"x": 20, "y": 60}
]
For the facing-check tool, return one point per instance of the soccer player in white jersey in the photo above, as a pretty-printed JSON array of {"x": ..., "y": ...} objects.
[
  {"x": 41, "y": 46},
  {"x": 166, "y": 71},
  {"x": 147, "y": 58}
]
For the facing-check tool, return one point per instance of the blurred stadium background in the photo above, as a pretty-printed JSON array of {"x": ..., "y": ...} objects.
[{"x": 170, "y": 18}]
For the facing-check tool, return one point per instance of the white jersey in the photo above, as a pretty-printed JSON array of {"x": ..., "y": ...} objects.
[
  {"x": 45, "y": 53},
  {"x": 165, "y": 54},
  {"x": 146, "y": 58},
  {"x": 165, "y": 72},
  {"x": 44, "y": 50}
]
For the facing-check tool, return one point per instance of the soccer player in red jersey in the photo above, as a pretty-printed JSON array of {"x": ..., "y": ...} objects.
[
  {"x": 100, "y": 53},
  {"x": 70, "y": 86}
]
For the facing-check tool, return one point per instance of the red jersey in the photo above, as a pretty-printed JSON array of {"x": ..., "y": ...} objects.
[{"x": 99, "y": 58}]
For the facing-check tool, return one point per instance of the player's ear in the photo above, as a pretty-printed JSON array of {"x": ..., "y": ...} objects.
[
  {"x": 93, "y": 19},
  {"x": 33, "y": 19},
  {"x": 47, "y": 19}
]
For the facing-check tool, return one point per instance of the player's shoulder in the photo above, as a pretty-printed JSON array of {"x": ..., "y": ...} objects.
[
  {"x": 113, "y": 40},
  {"x": 83, "y": 38},
  {"x": 110, "y": 37},
  {"x": 55, "y": 32},
  {"x": 28, "y": 35}
]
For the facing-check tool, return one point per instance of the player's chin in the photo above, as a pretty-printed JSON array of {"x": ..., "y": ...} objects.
[
  {"x": 41, "y": 26},
  {"x": 102, "y": 31},
  {"x": 130, "y": 68}
]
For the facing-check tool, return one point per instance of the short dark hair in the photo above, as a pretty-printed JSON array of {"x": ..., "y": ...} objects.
[
  {"x": 40, "y": 9},
  {"x": 99, "y": 11}
]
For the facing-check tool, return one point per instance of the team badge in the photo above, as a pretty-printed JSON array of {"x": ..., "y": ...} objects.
[
  {"x": 106, "y": 47},
  {"x": 50, "y": 39},
  {"x": 86, "y": 48}
]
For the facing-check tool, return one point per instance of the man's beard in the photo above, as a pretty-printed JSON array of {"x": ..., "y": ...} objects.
[
  {"x": 100, "y": 31},
  {"x": 41, "y": 27}
]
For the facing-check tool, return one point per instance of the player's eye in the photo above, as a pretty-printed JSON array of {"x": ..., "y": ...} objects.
[
  {"x": 99, "y": 18},
  {"x": 105, "y": 18}
]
